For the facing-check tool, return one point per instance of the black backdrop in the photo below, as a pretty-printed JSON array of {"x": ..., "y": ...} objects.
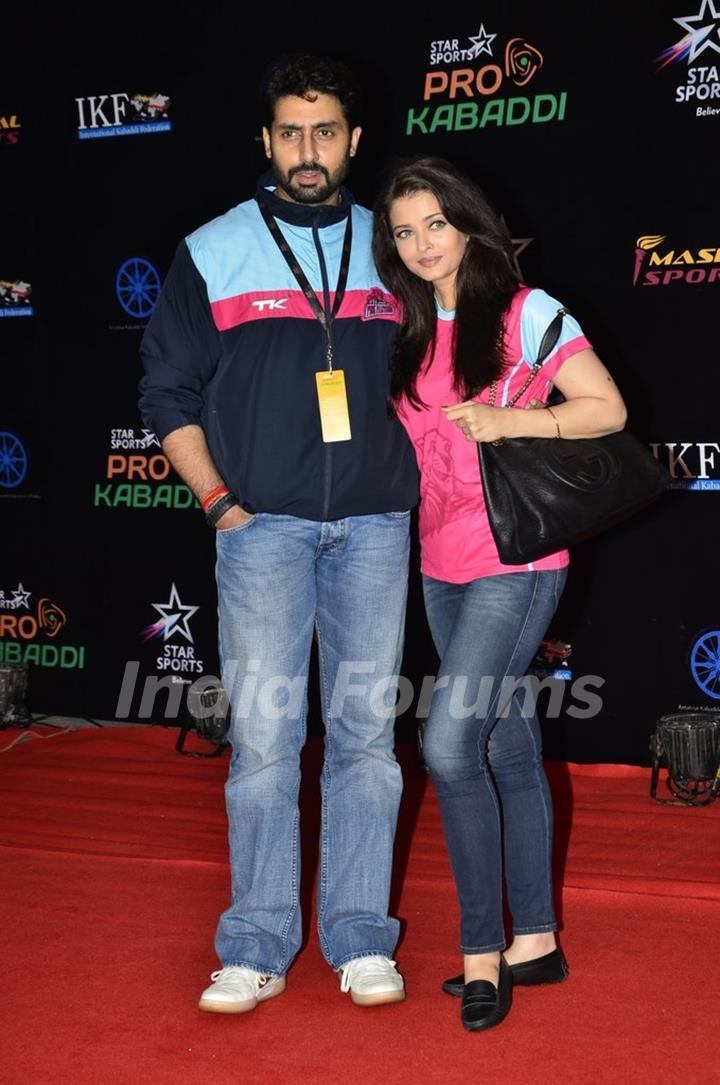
[{"x": 100, "y": 541}]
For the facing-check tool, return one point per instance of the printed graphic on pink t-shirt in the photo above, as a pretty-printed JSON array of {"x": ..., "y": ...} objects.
[
  {"x": 456, "y": 541},
  {"x": 445, "y": 496}
]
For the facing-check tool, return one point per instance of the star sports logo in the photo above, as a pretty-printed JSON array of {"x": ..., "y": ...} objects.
[
  {"x": 173, "y": 624},
  {"x": 173, "y": 621},
  {"x": 702, "y": 32},
  {"x": 126, "y": 438},
  {"x": 447, "y": 51},
  {"x": 481, "y": 42},
  {"x": 700, "y": 47},
  {"x": 19, "y": 598}
]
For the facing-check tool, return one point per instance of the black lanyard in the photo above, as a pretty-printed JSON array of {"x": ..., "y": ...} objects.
[{"x": 301, "y": 278}]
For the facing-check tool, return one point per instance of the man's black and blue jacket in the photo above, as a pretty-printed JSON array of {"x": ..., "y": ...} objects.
[{"x": 233, "y": 346}]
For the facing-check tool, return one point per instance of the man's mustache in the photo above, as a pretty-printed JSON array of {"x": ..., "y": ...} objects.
[{"x": 309, "y": 167}]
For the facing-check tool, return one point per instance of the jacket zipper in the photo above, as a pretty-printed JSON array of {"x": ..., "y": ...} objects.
[{"x": 327, "y": 486}]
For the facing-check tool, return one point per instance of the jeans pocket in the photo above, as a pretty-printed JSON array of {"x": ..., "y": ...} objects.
[
  {"x": 399, "y": 515},
  {"x": 236, "y": 529}
]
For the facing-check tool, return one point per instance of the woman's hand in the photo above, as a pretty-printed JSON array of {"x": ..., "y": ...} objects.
[{"x": 479, "y": 422}]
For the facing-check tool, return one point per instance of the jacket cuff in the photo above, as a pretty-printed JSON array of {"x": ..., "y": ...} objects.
[{"x": 162, "y": 422}]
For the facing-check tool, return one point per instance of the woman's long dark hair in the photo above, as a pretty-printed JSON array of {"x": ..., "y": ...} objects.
[{"x": 486, "y": 281}]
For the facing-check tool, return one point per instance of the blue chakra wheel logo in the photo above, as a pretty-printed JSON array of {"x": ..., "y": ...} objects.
[
  {"x": 137, "y": 285},
  {"x": 13, "y": 461},
  {"x": 705, "y": 663}
]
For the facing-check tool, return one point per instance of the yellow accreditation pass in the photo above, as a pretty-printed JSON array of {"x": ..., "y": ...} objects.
[{"x": 333, "y": 404}]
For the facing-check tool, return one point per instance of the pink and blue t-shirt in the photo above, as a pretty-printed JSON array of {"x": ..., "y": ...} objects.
[{"x": 455, "y": 537}]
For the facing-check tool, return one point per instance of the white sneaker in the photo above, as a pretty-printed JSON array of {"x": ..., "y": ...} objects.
[
  {"x": 237, "y": 990},
  {"x": 372, "y": 981}
]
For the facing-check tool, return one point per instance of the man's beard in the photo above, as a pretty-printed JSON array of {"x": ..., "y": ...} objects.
[{"x": 311, "y": 194}]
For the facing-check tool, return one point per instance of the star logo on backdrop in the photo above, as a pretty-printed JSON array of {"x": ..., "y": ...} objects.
[
  {"x": 520, "y": 244},
  {"x": 703, "y": 28},
  {"x": 174, "y": 617},
  {"x": 481, "y": 42},
  {"x": 20, "y": 597}
]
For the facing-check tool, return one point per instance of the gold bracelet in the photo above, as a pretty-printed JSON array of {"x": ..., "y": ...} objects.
[{"x": 557, "y": 427}]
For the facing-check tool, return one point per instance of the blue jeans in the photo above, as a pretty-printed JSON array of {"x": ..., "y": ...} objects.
[
  {"x": 280, "y": 578},
  {"x": 482, "y": 746}
]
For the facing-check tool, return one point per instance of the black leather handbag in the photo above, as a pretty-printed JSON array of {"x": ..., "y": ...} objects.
[{"x": 542, "y": 494}]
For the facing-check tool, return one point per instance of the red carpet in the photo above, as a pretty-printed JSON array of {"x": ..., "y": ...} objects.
[{"x": 114, "y": 871}]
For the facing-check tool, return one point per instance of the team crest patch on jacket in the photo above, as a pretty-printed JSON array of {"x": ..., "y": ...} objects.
[{"x": 378, "y": 305}]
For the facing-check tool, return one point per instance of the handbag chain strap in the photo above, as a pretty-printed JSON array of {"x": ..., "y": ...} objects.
[{"x": 547, "y": 345}]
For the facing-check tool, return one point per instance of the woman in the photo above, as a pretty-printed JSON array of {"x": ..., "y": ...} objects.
[{"x": 469, "y": 337}]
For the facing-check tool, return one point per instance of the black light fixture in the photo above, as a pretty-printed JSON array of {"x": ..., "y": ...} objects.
[
  {"x": 13, "y": 695},
  {"x": 207, "y": 713},
  {"x": 687, "y": 744}
]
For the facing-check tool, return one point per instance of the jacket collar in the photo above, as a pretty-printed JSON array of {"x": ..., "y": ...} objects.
[{"x": 300, "y": 214}]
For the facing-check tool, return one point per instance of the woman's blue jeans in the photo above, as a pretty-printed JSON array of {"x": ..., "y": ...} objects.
[
  {"x": 482, "y": 746},
  {"x": 280, "y": 579}
]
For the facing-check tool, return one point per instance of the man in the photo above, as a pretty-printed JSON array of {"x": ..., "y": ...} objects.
[{"x": 266, "y": 367}]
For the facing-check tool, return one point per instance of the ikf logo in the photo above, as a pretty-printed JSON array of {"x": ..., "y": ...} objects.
[
  {"x": 705, "y": 663},
  {"x": 658, "y": 264},
  {"x": 15, "y": 298},
  {"x": 137, "y": 285},
  {"x": 103, "y": 115},
  {"x": 472, "y": 83},
  {"x": 700, "y": 43},
  {"x": 692, "y": 465},
  {"x": 25, "y": 631},
  {"x": 173, "y": 624}
]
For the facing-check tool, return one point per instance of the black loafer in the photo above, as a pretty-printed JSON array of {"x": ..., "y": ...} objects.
[
  {"x": 552, "y": 968},
  {"x": 483, "y": 1004}
]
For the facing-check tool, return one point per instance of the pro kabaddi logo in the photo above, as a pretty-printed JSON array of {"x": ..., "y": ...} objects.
[
  {"x": 27, "y": 629},
  {"x": 475, "y": 84},
  {"x": 138, "y": 477}
]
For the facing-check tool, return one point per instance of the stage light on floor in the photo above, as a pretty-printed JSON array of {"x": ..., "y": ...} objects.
[
  {"x": 207, "y": 714},
  {"x": 13, "y": 695},
  {"x": 687, "y": 744}
]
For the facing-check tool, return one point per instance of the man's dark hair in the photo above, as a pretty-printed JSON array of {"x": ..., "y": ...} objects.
[{"x": 305, "y": 76}]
